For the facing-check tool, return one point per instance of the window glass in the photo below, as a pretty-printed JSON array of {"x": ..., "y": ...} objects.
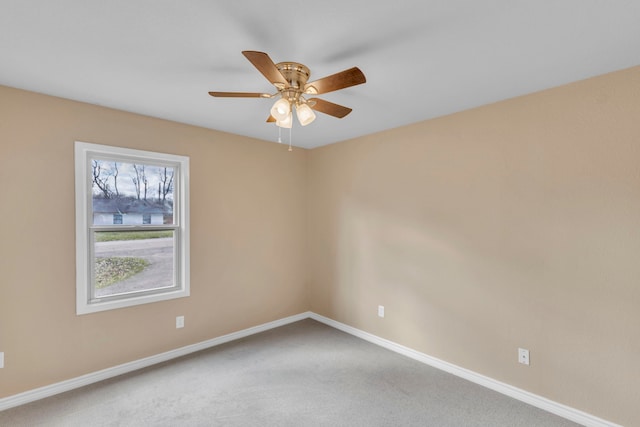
[
  {"x": 133, "y": 261},
  {"x": 132, "y": 189}
]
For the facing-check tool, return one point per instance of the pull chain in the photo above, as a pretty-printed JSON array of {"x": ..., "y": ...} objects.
[{"x": 280, "y": 136}]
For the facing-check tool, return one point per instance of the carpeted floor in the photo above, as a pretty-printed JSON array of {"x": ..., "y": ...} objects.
[{"x": 302, "y": 374}]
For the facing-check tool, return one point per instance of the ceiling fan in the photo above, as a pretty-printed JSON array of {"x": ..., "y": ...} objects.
[{"x": 290, "y": 80}]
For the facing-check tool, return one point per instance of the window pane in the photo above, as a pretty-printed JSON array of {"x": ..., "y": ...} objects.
[
  {"x": 130, "y": 193},
  {"x": 132, "y": 261}
]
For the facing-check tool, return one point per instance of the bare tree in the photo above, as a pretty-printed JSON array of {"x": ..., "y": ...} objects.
[
  {"x": 146, "y": 183},
  {"x": 140, "y": 181},
  {"x": 115, "y": 179},
  {"x": 101, "y": 179},
  {"x": 165, "y": 186},
  {"x": 136, "y": 182}
]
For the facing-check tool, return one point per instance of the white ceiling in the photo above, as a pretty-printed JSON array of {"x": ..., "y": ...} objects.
[{"x": 422, "y": 58}]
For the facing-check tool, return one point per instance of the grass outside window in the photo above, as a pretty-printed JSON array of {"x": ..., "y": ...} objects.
[{"x": 109, "y": 236}]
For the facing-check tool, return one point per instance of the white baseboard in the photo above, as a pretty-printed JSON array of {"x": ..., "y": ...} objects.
[
  {"x": 564, "y": 411},
  {"x": 559, "y": 409},
  {"x": 61, "y": 387}
]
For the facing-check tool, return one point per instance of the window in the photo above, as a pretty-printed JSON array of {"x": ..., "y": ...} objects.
[{"x": 132, "y": 231}]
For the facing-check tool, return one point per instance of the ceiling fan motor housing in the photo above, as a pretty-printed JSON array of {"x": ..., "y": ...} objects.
[{"x": 296, "y": 75}]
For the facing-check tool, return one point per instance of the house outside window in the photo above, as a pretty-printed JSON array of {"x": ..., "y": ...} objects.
[{"x": 132, "y": 231}]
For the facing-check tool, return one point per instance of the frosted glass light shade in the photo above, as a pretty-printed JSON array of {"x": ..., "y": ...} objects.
[
  {"x": 287, "y": 122},
  {"x": 281, "y": 109},
  {"x": 305, "y": 114}
]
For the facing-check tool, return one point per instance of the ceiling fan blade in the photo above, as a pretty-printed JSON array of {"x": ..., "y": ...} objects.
[
  {"x": 265, "y": 65},
  {"x": 271, "y": 119},
  {"x": 239, "y": 95},
  {"x": 347, "y": 78},
  {"x": 329, "y": 108}
]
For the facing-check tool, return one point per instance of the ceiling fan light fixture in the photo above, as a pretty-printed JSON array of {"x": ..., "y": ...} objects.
[
  {"x": 281, "y": 109},
  {"x": 311, "y": 90},
  {"x": 287, "y": 122},
  {"x": 305, "y": 114}
]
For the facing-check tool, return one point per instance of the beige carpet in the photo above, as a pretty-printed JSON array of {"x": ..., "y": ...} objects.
[{"x": 302, "y": 374}]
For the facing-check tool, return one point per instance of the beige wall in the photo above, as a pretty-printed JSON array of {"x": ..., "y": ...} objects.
[
  {"x": 512, "y": 225},
  {"x": 248, "y": 242}
]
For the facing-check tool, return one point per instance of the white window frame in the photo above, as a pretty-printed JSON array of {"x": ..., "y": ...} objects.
[{"x": 84, "y": 152}]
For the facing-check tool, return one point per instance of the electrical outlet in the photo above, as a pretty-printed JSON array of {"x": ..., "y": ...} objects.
[
  {"x": 381, "y": 311},
  {"x": 179, "y": 322},
  {"x": 1, "y": 359},
  {"x": 523, "y": 356}
]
